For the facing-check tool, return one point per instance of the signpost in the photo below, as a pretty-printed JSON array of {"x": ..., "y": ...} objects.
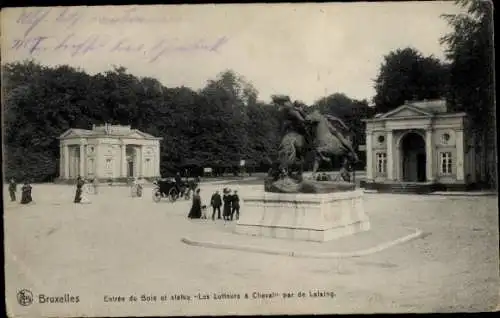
[
  {"x": 207, "y": 171},
  {"x": 242, "y": 167}
]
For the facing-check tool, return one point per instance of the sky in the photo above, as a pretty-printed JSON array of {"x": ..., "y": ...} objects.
[{"x": 306, "y": 51}]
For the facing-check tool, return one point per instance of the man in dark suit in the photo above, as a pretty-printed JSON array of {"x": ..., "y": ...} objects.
[
  {"x": 216, "y": 203},
  {"x": 12, "y": 189},
  {"x": 235, "y": 205}
]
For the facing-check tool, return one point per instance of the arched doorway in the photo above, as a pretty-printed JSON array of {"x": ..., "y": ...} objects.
[{"x": 413, "y": 158}]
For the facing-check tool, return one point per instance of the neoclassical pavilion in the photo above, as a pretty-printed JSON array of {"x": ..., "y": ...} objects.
[
  {"x": 109, "y": 152},
  {"x": 420, "y": 143}
]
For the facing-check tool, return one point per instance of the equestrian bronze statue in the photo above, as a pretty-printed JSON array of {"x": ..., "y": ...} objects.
[{"x": 304, "y": 134}]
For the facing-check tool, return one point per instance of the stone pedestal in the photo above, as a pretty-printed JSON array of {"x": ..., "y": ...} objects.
[{"x": 308, "y": 217}]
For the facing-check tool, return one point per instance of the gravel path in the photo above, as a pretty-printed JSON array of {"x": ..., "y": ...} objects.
[{"x": 119, "y": 246}]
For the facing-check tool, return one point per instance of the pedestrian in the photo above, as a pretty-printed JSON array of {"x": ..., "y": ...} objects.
[
  {"x": 235, "y": 205},
  {"x": 204, "y": 211},
  {"x": 79, "y": 185},
  {"x": 226, "y": 198},
  {"x": 84, "y": 198},
  {"x": 12, "y": 189},
  {"x": 195, "y": 212},
  {"x": 26, "y": 193},
  {"x": 216, "y": 203},
  {"x": 139, "y": 185},
  {"x": 95, "y": 184}
]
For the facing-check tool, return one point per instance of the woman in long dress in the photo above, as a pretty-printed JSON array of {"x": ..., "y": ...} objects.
[
  {"x": 26, "y": 193},
  {"x": 79, "y": 186},
  {"x": 226, "y": 210},
  {"x": 195, "y": 212},
  {"x": 85, "y": 192}
]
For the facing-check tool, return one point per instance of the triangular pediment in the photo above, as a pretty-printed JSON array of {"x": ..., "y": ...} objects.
[
  {"x": 139, "y": 134},
  {"x": 406, "y": 111},
  {"x": 135, "y": 135},
  {"x": 75, "y": 133}
]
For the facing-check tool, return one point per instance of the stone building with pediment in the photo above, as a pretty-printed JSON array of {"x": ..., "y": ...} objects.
[
  {"x": 108, "y": 152},
  {"x": 421, "y": 146}
]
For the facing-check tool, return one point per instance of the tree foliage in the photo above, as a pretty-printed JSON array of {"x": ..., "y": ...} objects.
[
  {"x": 406, "y": 74},
  {"x": 469, "y": 47}
]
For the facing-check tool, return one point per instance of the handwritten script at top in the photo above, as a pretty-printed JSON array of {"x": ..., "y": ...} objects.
[{"x": 75, "y": 44}]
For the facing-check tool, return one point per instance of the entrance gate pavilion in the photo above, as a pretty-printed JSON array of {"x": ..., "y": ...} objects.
[
  {"x": 109, "y": 152},
  {"x": 422, "y": 146}
]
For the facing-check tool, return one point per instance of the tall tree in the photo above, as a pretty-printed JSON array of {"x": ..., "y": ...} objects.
[
  {"x": 469, "y": 47},
  {"x": 406, "y": 75}
]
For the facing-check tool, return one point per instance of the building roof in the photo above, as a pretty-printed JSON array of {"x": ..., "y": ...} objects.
[
  {"x": 107, "y": 130},
  {"x": 417, "y": 109},
  {"x": 436, "y": 106}
]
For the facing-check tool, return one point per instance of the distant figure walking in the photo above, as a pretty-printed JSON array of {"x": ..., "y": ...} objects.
[
  {"x": 84, "y": 195},
  {"x": 26, "y": 193},
  {"x": 226, "y": 198},
  {"x": 79, "y": 188},
  {"x": 235, "y": 205},
  {"x": 216, "y": 202},
  {"x": 95, "y": 184},
  {"x": 136, "y": 188},
  {"x": 12, "y": 189},
  {"x": 195, "y": 212}
]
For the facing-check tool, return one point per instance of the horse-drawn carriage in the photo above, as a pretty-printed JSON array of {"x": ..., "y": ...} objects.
[{"x": 167, "y": 188}]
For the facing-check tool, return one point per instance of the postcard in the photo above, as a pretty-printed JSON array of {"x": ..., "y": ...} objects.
[{"x": 249, "y": 159}]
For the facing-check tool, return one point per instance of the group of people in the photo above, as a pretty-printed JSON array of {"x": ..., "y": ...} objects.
[
  {"x": 25, "y": 192},
  {"x": 230, "y": 203}
]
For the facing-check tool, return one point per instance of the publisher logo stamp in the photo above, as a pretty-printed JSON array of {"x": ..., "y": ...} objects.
[{"x": 24, "y": 297}]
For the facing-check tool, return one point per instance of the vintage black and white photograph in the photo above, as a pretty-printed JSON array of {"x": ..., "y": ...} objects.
[{"x": 249, "y": 159}]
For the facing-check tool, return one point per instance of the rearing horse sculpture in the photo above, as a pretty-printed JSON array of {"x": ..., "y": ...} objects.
[
  {"x": 327, "y": 143},
  {"x": 291, "y": 153}
]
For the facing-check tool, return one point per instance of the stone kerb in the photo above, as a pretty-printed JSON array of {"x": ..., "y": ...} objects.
[{"x": 311, "y": 217}]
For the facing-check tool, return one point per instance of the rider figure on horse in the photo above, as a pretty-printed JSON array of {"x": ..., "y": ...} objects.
[{"x": 293, "y": 115}]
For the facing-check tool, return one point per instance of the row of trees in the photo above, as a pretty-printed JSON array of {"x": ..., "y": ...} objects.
[{"x": 216, "y": 126}]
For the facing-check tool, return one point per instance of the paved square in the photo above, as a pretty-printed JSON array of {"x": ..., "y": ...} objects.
[{"x": 123, "y": 246}]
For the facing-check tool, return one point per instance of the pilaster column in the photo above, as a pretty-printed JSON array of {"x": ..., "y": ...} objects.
[
  {"x": 397, "y": 163},
  {"x": 66, "y": 161},
  {"x": 82, "y": 160},
  {"x": 369, "y": 156},
  {"x": 97, "y": 173},
  {"x": 140, "y": 161},
  {"x": 156, "y": 162},
  {"x": 429, "y": 153},
  {"x": 61, "y": 161},
  {"x": 459, "y": 142},
  {"x": 390, "y": 156},
  {"x": 123, "y": 160}
]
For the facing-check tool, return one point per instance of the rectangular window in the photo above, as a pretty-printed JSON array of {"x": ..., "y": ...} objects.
[
  {"x": 108, "y": 163},
  {"x": 381, "y": 158},
  {"x": 446, "y": 163}
]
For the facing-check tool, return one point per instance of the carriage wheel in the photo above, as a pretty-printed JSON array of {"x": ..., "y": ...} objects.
[
  {"x": 156, "y": 195},
  {"x": 187, "y": 196},
  {"x": 173, "y": 194}
]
